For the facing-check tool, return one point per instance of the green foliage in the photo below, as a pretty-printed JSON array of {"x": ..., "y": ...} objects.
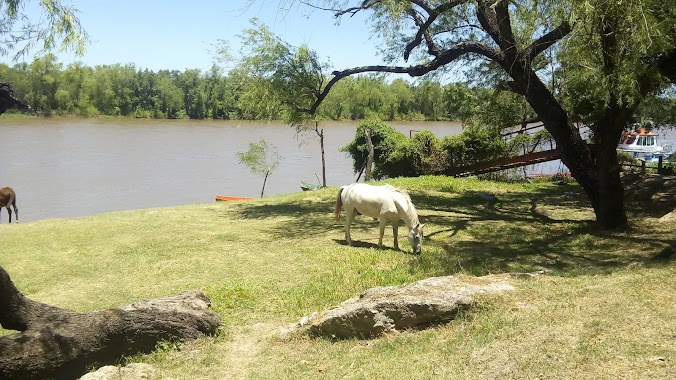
[
  {"x": 413, "y": 157},
  {"x": 126, "y": 91},
  {"x": 57, "y": 26},
  {"x": 661, "y": 108},
  {"x": 398, "y": 159},
  {"x": 279, "y": 73},
  {"x": 383, "y": 137},
  {"x": 609, "y": 57},
  {"x": 396, "y": 155},
  {"x": 429, "y": 157},
  {"x": 474, "y": 145},
  {"x": 523, "y": 143},
  {"x": 261, "y": 158}
]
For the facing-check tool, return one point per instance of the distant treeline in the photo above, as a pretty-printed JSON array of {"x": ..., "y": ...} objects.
[{"x": 52, "y": 88}]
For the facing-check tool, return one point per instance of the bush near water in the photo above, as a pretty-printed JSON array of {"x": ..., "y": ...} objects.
[{"x": 397, "y": 155}]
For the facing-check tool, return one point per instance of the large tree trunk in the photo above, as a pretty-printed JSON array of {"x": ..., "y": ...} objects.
[
  {"x": 595, "y": 169},
  {"x": 610, "y": 211},
  {"x": 60, "y": 343}
]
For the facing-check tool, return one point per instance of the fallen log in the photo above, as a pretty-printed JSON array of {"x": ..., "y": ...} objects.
[{"x": 63, "y": 344}]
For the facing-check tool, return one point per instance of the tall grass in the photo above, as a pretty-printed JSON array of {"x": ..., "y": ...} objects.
[{"x": 603, "y": 311}]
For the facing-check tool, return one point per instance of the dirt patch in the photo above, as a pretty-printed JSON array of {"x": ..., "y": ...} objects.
[
  {"x": 245, "y": 347},
  {"x": 649, "y": 194}
]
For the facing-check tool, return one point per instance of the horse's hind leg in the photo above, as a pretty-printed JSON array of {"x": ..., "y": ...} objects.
[
  {"x": 395, "y": 232},
  {"x": 9, "y": 210},
  {"x": 16, "y": 211},
  {"x": 349, "y": 217}
]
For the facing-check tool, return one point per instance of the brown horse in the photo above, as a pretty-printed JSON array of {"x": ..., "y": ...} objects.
[{"x": 7, "y": 198}]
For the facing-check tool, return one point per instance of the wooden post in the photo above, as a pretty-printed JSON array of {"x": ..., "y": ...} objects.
[
  {"x": 643, "y": 167},
  {"x": 321, "y": 143},
  {"x": 659, "y": 164}
]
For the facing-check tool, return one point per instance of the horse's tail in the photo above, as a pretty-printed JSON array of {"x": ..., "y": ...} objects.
[
  {"x": 12, "y": 200},
  {"x": 339, "y": 204}
]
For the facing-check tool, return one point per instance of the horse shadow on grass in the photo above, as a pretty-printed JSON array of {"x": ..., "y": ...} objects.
[{"x": 365, "y": 244}]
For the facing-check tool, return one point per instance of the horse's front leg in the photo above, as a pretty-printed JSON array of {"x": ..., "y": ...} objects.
[
  {"x": 383, "y": 224},
  {"x": 395, "y": 231},
  {"x": 9, "y": 210}
]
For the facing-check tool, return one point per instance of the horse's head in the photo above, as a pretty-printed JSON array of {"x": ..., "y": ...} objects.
[{"x": 415, "y": 236}]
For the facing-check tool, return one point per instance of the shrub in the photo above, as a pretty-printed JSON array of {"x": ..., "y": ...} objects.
[
  {"x": 397, "y": 159},
  {"x": 429, "y": 157},
  {"x": 395, "y": 155},
  {"x": 383, "y": 138},
  {"x": 474, "y": 145}
]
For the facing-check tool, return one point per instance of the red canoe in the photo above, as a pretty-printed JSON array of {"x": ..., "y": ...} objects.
[{"x": 227, "y": 198}]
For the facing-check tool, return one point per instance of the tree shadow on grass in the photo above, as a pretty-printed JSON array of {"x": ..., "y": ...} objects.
[
  {"x": 515, "y": 236},
  {"x": 482, "y": 258},
  {"x": 305, "y": 217},
  {"x": 466, "y": 233},
  {"x": 511, "y": 207}
]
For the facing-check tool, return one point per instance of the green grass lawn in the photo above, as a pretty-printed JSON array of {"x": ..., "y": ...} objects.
[{"x": 604, "y": 310}]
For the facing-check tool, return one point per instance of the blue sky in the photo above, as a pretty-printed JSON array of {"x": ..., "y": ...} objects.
[{"x": 170, "y": 34}]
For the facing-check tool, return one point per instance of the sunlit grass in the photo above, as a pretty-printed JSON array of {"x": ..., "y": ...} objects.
[{"x": 604, "y": 310}]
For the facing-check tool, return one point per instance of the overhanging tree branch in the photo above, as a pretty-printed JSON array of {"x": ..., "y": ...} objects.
[
  {"x": 366, "y": 4},
  {"x": 504, "y": 23},
  {"x": 423, "y": 31},
  {"x": 423, "y": 26},
  {"x": 486, "y": 17},
  {"x": 543, "y": 43},
  {"x": 444, "y": 58}
]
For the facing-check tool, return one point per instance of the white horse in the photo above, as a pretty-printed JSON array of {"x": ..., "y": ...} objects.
[{"x": 386, "y": 203}]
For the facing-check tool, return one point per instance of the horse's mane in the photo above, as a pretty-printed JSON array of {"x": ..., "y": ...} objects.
[{"x": 411, "y": 212}]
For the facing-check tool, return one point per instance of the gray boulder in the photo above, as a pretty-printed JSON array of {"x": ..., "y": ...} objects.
[
  {"x": 387, "y": 309},
  {"x": 134, "y": 371}
]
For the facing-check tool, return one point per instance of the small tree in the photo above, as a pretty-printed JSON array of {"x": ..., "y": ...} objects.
[
  {"x": 285, "y": 77},
  {"x": 261, "y": 158}
]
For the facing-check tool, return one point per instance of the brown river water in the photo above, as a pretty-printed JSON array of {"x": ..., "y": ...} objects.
[{"x": 65, "y": 168}]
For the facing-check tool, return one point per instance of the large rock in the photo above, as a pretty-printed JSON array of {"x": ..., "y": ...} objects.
[
  {"x": 386, "y": 309},
  {"x": 670, "y": 217},
  {"x": 135, "y": 371}
]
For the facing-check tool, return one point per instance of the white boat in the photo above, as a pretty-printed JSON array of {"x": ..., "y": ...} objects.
[{"x": 643, "y": 145}]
